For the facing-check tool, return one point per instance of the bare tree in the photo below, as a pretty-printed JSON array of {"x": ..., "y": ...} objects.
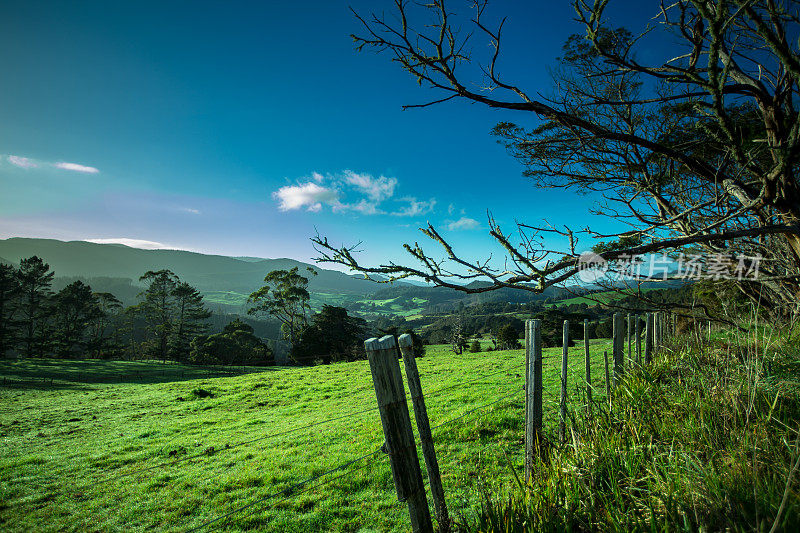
[{"x": 698, "y": 151}]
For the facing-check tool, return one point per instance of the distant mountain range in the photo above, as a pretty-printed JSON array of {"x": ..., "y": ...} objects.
[
  {"x": 226, "y": 282},
  {"x": 206, "y": 272}
]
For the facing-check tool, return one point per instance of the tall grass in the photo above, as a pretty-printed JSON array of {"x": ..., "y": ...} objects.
[{"x": 705, "y": 438}]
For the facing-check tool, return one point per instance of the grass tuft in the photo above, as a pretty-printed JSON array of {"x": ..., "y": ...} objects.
[{"x": 705, "y": 438}]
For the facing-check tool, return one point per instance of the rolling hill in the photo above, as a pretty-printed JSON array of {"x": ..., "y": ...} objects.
[{"x": 209, "y": 273}]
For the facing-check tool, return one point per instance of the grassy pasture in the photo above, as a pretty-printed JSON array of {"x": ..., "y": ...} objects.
[
  {"x": 183, "y": 448},
  {"x": 600, "y": 297},
  {"x": 231, "y": 298},
  {"x": 391, "y": 305}
]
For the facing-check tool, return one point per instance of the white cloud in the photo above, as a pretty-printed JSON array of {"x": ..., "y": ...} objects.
[
  {"x": 463, "y": 223},
  {"x": 76, "y": 167},
  {"x": 415, "y": 207},
  {"x": 27, "y": 162},
  {"x": 22, "y": 162},
  {"x": 348, "y": 191},
  {"x": 450, "y": 209},
  {"x": 378, "y": 189},
  {"x": 309, "y": 195},
  {"x": 134, "y": 243},
  {"x": 365, "y": 207},
  {"x": 190, "y": 210}
]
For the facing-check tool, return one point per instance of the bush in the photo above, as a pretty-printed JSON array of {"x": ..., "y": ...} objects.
[
  {"x": 507, "y": 337},
  {"x": 236, "y": 344},
  {"x": 475, "y": 347}
]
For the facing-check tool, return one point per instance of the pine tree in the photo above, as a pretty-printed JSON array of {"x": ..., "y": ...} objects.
[
  {"x": 9, "y": 301},
  {"x": 75, "y": 307},
  {"x": 158, "y": 307},
  {"x": 100, "y": 342},
  {"x": 35, "y": 278},
  {"x": 190, "y": 319}
]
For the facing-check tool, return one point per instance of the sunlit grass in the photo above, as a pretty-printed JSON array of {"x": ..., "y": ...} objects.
[
  {"x": 703, "y": 439},
  {"x": 73, "y": 453}
]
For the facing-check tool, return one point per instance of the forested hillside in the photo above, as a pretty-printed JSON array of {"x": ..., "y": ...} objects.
[{"x": 206, "y": 272}]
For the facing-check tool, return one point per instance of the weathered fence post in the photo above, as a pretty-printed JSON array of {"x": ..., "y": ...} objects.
[
  {"x": 656, "y": 332},
  {"x": 618, "y": 347},
  {"x": 562, "y": 419},
  {"x": 608, "y": 378},
  {"x": 396, "y": 422},
  {"x": 630, "y": 338},
  {"x": 527, "y": 374},
  {"x": 588, "y": 364},
  {"x": 648, "y": 338},
  {"x": 638, "y": 340},
  {"x": 424, "y": 428},
  {"x": 533, "y": 392}
]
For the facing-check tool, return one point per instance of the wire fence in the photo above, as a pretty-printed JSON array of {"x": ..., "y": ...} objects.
[
  {"x": 319, "y": 480},
  {"x": 637, "y": 337},
  {"x": 572, "y": 380},
  {"x": 290, "y": 491}
]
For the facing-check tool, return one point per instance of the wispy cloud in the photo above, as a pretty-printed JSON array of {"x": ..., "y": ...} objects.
[
  {"x": 190, "y": 210},
  {"x": 134, "y": 243},
  {"x": 75, "y": 167},
  {"x": 415, "y": 207},
  {"x": 463, "y": 223},
  {"x": 364, "y": 206},
  {"x": 27, "y": 162},
  {"x": 376, "y": 188},
  {"x": 22, "y": 162},
  {"x": 309, "y": 195}
]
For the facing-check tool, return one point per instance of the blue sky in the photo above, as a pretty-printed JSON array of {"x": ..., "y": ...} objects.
[{"x": 241, "y": 128}]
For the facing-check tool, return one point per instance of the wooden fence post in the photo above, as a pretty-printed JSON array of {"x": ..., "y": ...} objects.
[
  {"x": 648, "y": 338},
  {"x": 656, "y": 331},
  {"x": 562, "y": 422},
  {"x": 396, "y": 422},
  {"x": 629, "y": 357},
  {"x": 618, "y": 348},
  {"x": 533, "y": 393},
  {"x": 588, "y": 364},
  {"x": 638, "y": 340},
  {"x": 526, "y": 369},
  {"x": 608, "y": 377},
  {"x": 424, "y": 428}
]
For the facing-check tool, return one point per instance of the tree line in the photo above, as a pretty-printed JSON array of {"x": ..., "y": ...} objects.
[{"x": 169, "y": 322}]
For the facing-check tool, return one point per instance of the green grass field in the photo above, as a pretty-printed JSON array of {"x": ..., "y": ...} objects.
[
  {"x": 391, "y": 306},
  {"x": 163, "y": 455},
  {"x": 232, "y": 298},
  {"x": 600, "y": 297}
]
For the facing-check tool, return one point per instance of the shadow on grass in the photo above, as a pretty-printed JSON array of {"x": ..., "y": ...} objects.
[{"x": 65, "y": 373}]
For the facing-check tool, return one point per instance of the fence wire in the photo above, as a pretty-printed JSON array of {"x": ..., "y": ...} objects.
[
  {"x": 292, "y": 491},
  {"x": 173, "y": 462},
  {"x": 467, "y": 413},
  {"x": 575, "y": 399}
]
